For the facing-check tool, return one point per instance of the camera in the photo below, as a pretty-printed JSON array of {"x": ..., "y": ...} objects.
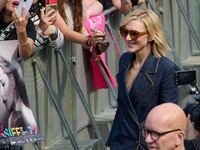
[
  {"x": 192, "y": 108},
  {"x": 185, "y": 77}
]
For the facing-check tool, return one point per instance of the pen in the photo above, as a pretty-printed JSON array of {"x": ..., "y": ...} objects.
[{"x": 95, "y": 30}]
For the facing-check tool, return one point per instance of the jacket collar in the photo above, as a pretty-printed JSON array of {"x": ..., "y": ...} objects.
[{"x": 150, "y": 65}]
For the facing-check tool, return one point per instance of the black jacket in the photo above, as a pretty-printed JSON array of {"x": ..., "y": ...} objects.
[{"x": 192, "y": 144}]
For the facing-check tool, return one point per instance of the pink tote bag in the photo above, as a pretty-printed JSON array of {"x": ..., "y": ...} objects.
[{"x": 98, "y": 23}]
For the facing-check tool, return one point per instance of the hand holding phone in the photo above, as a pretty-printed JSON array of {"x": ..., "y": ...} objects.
[
  {"x": 27, "y": 4},
  {"x": 45, "y": 20},
  {"x": 95, "y": 30},
  {"x": 51, "y": 4}
]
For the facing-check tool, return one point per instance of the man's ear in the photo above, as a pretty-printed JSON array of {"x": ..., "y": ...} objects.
[{"x": 180, "y": 138}]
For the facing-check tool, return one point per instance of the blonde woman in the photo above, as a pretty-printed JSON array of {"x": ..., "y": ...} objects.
[{"x": 145, "y": 79}]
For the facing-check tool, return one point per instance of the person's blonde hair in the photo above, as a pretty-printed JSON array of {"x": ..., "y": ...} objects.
[{"x": 154, "y": 28}]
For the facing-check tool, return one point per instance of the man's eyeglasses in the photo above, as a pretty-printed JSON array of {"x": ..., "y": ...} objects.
[
  {"x": 133, "y": 34},
  {"x": 155, "y": 135}
]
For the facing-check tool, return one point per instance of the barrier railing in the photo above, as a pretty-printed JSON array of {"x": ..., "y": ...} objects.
[
  {"x": 73, "y": 78},
  {"x": 57, "y": 106},
  {"x": 189, "y": 23}
]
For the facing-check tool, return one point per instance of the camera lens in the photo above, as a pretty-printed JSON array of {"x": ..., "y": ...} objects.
[
  {"x": 195, "y": 117},
  {"x": 190, "y": 106}
]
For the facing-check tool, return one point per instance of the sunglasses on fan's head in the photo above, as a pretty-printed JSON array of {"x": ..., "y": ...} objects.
[{"x": 133, "y": 34}]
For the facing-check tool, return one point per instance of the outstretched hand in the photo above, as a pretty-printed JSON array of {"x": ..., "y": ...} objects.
[{"x": 97, "y": 37}]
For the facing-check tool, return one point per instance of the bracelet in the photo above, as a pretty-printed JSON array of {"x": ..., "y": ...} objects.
[
  {"x": 90, "y": 41},
  {"x": 24, "y": 43},
  {"x": 126, "y": 1},
  {"x": 56, "y": 31},
  {"x": 87, "y": 40},
  {"x": 39, "y": 31}
]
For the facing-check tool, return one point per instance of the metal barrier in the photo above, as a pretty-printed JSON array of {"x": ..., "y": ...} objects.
[
  {"x": 189, "y": 23},
  {"x": 47, "y": 54},
  {"x": 57, "y": 106},
  {"x": 76, "y": 144}
]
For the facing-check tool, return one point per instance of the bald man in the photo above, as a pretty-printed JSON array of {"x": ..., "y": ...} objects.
[{"x": 165, "y": 127}]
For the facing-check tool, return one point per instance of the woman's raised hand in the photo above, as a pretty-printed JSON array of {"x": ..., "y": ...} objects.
[
  {"x": 45, "y": 19},
  {"x": 20, "y": 22}
]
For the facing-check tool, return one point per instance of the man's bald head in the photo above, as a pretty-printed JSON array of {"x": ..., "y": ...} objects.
[
  {"x": 170, "y": 118},
  {"x": 168, "y": 114}
]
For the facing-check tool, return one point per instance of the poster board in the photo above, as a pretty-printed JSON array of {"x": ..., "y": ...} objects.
[{"x": 17, "y": 123}]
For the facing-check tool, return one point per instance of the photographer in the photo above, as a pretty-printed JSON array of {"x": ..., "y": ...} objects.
[
  {"x": 193, "y": 136},
  {"x": 192, "y": 110}
]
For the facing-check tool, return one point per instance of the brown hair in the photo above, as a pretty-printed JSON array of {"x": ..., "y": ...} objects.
[{"x": 78, "y": 12}]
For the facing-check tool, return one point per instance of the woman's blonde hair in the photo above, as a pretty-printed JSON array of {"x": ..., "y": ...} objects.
[{"x": 154, "y": 28}]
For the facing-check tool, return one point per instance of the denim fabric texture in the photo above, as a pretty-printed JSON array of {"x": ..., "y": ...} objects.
[{"x": 153, "y": 85}]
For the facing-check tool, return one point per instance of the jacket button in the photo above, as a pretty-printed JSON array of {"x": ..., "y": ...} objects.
[{"x": 116, "y": 135}]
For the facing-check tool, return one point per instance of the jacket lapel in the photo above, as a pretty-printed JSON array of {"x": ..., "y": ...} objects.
[
  {"x": 123, "y": 93},
  {"x": 141, "y": 84}
]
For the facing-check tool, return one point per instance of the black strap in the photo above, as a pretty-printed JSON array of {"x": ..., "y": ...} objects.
[
  {"x": 6, "y": 33},
  {"x": 98, "y": 50}
]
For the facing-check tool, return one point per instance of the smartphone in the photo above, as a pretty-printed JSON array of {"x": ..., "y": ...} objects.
[
  {"x": 51, "y": 4},
  {"x": 185, "y": 77},
  {"x": 104, "y": 42},
  {"x": 27, "y": 4}
]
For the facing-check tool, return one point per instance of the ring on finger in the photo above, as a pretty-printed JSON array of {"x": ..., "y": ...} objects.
[{"x": 18, "y": 17}]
